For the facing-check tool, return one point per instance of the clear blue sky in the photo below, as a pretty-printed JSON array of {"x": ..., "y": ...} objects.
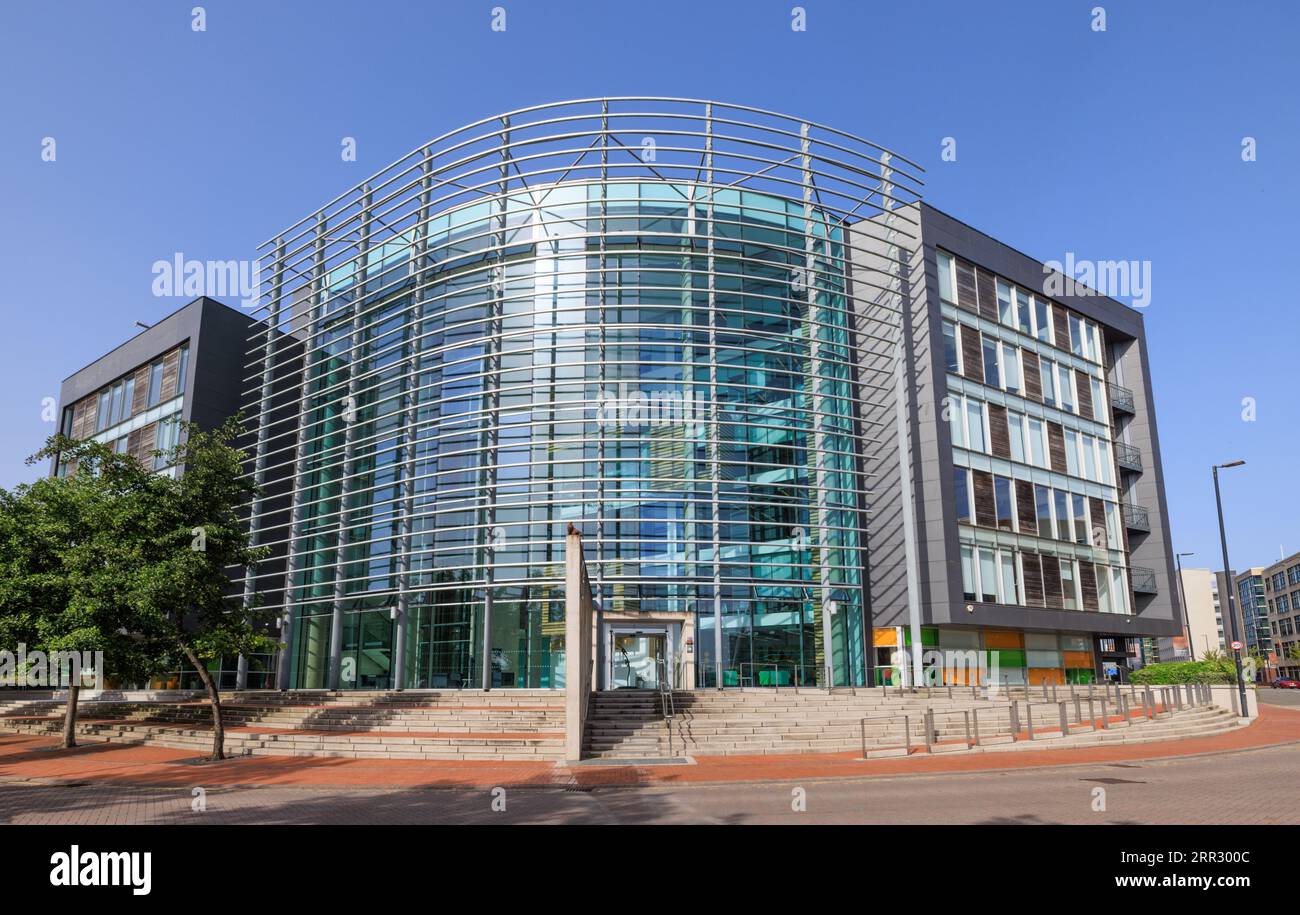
[{"x": 1122, "y": 144}]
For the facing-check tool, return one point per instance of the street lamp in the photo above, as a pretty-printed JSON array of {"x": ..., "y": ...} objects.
[
  {"x": 1227, "y": 574},
  {"x": 1182, "y": 599}
]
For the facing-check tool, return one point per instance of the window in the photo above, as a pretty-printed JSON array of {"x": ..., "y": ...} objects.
[
  {"x": 1103, "y": 588},
  {"x": 975, "y": 425},
  {"x": 128, "y": 395},
  {"x": 1043, "y": 312},
  {"x": 1094, "y": 342},
  {"x": 1112, "y": 524},
  {"x": 968, "y": 572},
  {"x": 155, "y": 384},
  {"x": 65, "y": 427},
  {"x": 1037, "y": 451},
  {"x": 1016, "y": 429},
  {"x": 1103, "y": 462},
  {"x": 1098, "y": 401},
  {"x": 961, "y": 493},
  {"x": 1024, "y": 313},
  {"x": 1002, "y": 504},
  {"x": 181, "y": 368},
  {"x": 992, "y": 375},
  {"x": 166, "y": 440},
  {"x": 988, "y": 576},
  {"x": 1069, "y": 593},
  {"x": 1079, "y": 504},
  {"x": 1048, "y": 372},
  {"x": 957, "y": 420},
  {"x": 1043, "y": 500},
  {"x": 1010, "y": 585},
  {"x": 1078, "y": 345},
  {"x": 1006, "y": 311},
  {"x": 1089, "y": 457},
  {"x": 1071, "y": 452},
  {"x": 1066, "y": 388},
  {"x": 950, "y": 350},
  {"x": 116, "y": 415},
  {"x": 1011, "y": 368},
  {"x": 101, "y": 411},
  {"x": 1062, "y": 514},
  {"x": 1119, "y": 591},
  {"x": 947, "y": 277}
]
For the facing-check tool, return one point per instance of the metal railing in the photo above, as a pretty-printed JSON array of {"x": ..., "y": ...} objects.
[
  {"x": 666, "y": 699},
  {"x": 1136, "y": 518},
  {"x": 1092, "y": 708},
  {"x": 1128, "y": 457},
  {"x": 1121, "y": 398},
  {"x": 1144, "y": 579}
]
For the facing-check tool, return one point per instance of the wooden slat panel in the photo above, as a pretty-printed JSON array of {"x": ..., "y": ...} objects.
[
  {"x": 1033, "y": 579},
  {"x": 1056, "y": 446},
  {"x": 1083, "y": 381},
  {"x": 985, "y": 509},
  {"x": 972, "y": 356},
  {"x": 141, "y": 397},
  {"x": 1052, "y": 582},
  {"x": 1088, "y": 585},
  {"x": 966, "y": 286},
  {"x": 1061, "y": 327},
  {"x": 987, "y": 294},
  {"x": 999, "y": 434},
  {"x": 1033, "y": 378},
  {"x": 1098, "y": 536},
  {"x": 1026, "y": 512},
  {"x": 171, "y": 363}
]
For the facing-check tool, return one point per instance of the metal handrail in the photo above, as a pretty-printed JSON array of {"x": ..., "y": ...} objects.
[
  {"x": 1172, "y": 699},
  {"x": 666, "y": 699}
]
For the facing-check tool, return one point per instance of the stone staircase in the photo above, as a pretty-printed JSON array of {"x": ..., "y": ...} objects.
[
  {"x": 629, "y": 724},
  {"x": 460, "y": 724}
]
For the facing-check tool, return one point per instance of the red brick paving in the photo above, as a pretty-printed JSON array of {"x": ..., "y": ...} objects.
[{"x": 25, "y": 758}]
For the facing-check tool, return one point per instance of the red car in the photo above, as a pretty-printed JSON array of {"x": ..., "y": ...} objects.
[{"x": 1286, "y": 683}]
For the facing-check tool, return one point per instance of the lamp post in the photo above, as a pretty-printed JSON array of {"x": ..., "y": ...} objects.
[
  {"x": 1227, "y": 573},
  {"x": 1182, "y": 599}
]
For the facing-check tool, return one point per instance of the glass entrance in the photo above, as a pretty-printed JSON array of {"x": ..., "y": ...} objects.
[{"x": 635, "y": 659}]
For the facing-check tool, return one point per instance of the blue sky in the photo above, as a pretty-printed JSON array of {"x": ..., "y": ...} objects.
[{"x": 1121, "y": 144}]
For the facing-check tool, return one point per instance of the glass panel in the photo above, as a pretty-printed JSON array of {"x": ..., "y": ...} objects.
[
  {"x": 1067, "y": 585},
  {"x": 1011, "y": 367},
  {"x": 635, "y": 660},
  {"x": 975, "y": 424},
  {"x": 957, "y": 420},
  {"x": 1071, "y": 452},
  {"x": 1010, "y": 587},
  {"x": 1024, "y": 313},
  {"x": 1061, "y": 500},
  {"x": 950, "y": 347},
  {"x": 992, "y": 376},
  {"x": 967, "y": 573},
  {"x": 1048, "y": 374},
  {"x": 946, "y": 286},
  {"x": 1066, "y": 388},
  {"x": 1044, "y": 323},
  {"x": 1037, "y": 452},
  {"x": 1016, "y": 427},
  {"x": 961, "y": 490},
  {"x": 1043, "y": 500},
  {"x": 1002, "y": 502},
  {"x": 988, "y": 577},
  {"x": 1006, "y": 311}
]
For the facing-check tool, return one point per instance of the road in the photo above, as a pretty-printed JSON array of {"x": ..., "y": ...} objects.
[{"x": 1256, "y": 786}]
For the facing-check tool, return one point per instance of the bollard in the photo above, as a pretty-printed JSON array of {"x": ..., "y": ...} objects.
[
  {"x": 1078, "y": 709},
  {"x": 1029, "y": 718},
  {"x": 864, "y": 738},
  {"x": 966, "y": 715},
  {"x": 1015, "y": 720},
  {"x": 1065, "y": 720},
  {"x": 1127, "y": 712},
  {"x": 1044, "y": 690},
  {"x": 1053, "y": 692},
  {"x": 907, "y": 734},
  {"x": 929, "y": 728},
  {"x": 1092, "y": 711},
  {"x": 1105, "y": 715},
  {"x": 1145, "y": 716},
  {"x": 975, "y": 722}
]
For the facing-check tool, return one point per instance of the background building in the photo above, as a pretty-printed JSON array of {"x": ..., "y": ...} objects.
[
  {"x": 1040, "y": 508},
  {"x": 1203, "y": 611},
  {"x": 187, "y": 367},
  {"x": 1282, "y": 597},
  {"x": 1252, "y": 610}
]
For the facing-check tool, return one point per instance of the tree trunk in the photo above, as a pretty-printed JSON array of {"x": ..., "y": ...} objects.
[
  {"x": 218, "y": 730},
  {"x": 70, "y": 716}
]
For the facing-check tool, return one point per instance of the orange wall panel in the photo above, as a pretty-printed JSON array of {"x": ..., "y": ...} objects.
[{"x": 1003, "y": 638}]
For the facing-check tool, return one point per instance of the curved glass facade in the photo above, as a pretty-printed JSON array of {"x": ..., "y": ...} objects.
[{"x": 653, "y": 343}]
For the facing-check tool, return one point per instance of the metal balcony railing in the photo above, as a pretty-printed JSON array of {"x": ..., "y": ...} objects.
[
  {"x": 1128, "y": 457},
  {"x": 1144, "y": 580},
  {"x": 1121, "y": 398},
  {"x": 1136, "y": 518}
]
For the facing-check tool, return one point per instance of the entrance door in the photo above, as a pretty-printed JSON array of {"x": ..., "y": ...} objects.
[{"x": 635, "y": 659}]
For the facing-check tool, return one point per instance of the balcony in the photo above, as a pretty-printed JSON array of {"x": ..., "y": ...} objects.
[
  {"x": 1121, "y": 398},
  {"x": 1144, "y": 580},
  {"x": 1136, "y": 518},
  {"x": 1128, "y": 457}
]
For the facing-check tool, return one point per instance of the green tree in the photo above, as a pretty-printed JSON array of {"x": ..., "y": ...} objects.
[
  {"x": 190, "y": 539},
  {"x": 61, "y": 578}
]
